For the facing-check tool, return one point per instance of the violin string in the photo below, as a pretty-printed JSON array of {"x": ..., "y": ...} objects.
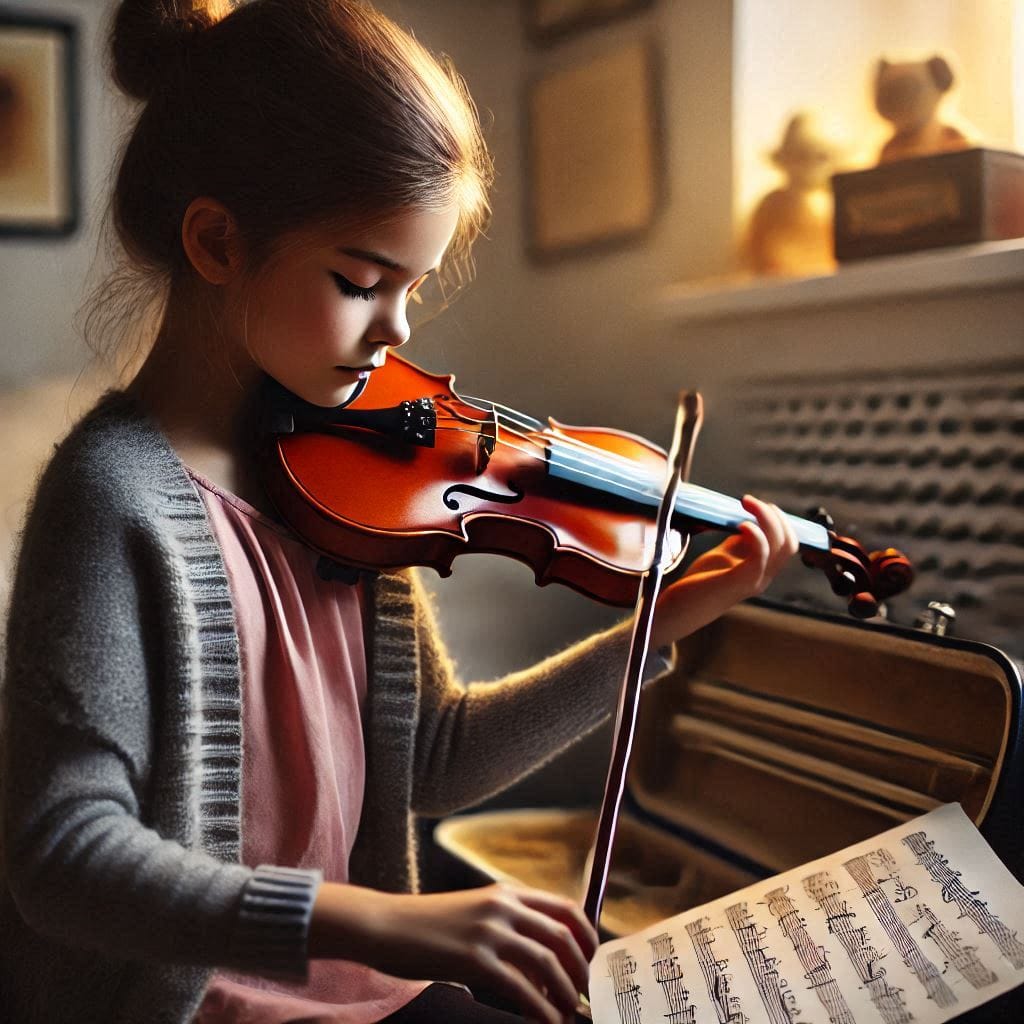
[
  {"x": 483, "y": 405},
  {"x": 712, "y": 501},
  {"x": 698, "y": 499},
  {"x": 565, "y": 440},
  {"x": 630, "y": 469},
  {"x": 642, "y": 483},
  {"x": 633, "y": 480},
  {"x": 522, "y": 420}
]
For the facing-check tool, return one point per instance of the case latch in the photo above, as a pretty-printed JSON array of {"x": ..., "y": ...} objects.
[{"x": 937, "y": 618}]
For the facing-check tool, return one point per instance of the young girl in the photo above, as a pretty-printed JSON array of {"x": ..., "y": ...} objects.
[{"x": 212, "y": 755}]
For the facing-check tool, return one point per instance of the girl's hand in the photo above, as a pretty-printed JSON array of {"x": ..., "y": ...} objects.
[
  {"x": 526, "y": 945},
  {"x": 741, "y": 566}
]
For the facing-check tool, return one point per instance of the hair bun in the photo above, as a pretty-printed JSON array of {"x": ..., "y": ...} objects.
[{"x": 150, "y": 40}]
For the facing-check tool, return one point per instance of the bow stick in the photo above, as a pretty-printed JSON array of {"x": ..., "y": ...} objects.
[{"x": 689, "y": 416}]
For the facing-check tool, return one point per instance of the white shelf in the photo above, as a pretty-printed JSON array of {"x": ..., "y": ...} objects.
[{"x": 960, "y": 268}]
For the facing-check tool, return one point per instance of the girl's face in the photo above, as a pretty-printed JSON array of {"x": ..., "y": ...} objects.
[{"x": 331, "y": 302}]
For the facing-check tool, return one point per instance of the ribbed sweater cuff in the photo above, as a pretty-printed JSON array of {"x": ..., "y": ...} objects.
[{"x": 272, "y": 930}]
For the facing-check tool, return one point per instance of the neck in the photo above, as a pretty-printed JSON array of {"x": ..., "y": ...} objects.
[
  {"x": 195, "y": 386},
  {"x": 203, "y": 393}
]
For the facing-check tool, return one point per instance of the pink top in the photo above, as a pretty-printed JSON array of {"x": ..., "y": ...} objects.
[{"x": 303, "y": 689}]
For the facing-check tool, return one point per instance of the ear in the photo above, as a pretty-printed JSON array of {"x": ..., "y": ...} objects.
[
  {"x": 881, "y": 67},
  {"x": 941, "y": 72},
  {"x": 210, "y": 237}
]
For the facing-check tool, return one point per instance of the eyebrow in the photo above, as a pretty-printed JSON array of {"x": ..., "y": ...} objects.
[{"x": 380, "y": 259}]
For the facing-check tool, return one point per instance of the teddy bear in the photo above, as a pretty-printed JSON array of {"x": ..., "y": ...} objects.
[
  {"x": 908, "y": 94},
  {"x": 790, "y": 230}
]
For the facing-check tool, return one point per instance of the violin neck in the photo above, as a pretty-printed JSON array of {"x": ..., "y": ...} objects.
[
  {"x": 709, "y": 508},
  {"x": 694, "y": 504}
]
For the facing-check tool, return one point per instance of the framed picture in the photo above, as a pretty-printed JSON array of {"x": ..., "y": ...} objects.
[
  {"x": 594, "y": 174},
  {"x": 38, "y": 125},
  {"x": 550, "y": 20}
]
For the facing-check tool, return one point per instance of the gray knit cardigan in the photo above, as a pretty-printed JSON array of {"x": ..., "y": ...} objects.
[{"x": 122, "y": 744}]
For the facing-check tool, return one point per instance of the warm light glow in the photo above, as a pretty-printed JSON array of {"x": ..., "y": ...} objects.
[
  {"x": 791, "y": 55},
  {"x": 1017, "y": 73}
]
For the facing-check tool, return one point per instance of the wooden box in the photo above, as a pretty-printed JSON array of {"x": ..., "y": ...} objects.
[
  {"x": 974, "y": 195},
  {"x": 781, "y": 736}
]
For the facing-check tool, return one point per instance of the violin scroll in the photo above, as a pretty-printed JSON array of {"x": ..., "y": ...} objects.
[
  {"x": 891, "y": 571},
  {"x": 865, "y": 578}
]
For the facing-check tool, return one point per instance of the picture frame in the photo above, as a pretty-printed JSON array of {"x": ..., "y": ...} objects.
[
  {"x": 39, "y": 152},
  {"x": 594, "y": 153},
  {"x": 548, "y": 21}
]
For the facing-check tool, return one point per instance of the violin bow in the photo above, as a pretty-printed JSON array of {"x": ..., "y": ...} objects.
[{"x": 689, "y": 416}]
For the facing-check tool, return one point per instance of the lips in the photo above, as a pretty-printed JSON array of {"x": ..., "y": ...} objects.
[{"x": 360, "y": 372}]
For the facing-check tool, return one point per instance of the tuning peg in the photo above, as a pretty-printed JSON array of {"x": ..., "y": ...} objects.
[
  {"x": 843, "y": 581},
  {"x": 863, "y": 605},
  {"x": 820, "y": 516}
]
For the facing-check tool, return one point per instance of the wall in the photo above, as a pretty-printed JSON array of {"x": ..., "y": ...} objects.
[
  {"x": 43, "y": 383},
  {"x": 43, "y": 281}
]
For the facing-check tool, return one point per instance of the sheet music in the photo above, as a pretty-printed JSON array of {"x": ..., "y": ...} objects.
[{"x": 918, "y": 924}]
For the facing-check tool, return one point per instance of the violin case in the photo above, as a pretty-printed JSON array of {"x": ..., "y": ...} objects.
[{"x": 780, "y": 736}]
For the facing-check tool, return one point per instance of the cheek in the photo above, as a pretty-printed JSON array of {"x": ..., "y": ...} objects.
[
  {"x": 309, "y": 310},
  {"x": 336, "y": 325}
]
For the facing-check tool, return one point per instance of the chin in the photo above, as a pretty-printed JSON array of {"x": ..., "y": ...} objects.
[
  {"x": 322, "y": 394},
  {"x": 336, "y": 396},
  {"x": 325, "y": 394}
]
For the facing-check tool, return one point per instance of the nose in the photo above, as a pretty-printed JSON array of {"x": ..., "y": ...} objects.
[{"x": 392, "y": 328}]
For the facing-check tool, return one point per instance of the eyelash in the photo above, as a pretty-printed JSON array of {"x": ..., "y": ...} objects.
[{"x": 353, "y": 291}]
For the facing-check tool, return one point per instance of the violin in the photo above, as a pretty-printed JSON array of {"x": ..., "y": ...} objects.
[{"x": 410, "y": 472}]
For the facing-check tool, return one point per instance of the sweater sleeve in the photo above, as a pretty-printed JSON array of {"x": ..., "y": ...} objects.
[
  {"x": 90, "y": 638},
  {"x": 475, "y": 740}
]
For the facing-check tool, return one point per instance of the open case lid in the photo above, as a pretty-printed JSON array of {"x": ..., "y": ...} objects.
[{"x": 784, "y": 735}]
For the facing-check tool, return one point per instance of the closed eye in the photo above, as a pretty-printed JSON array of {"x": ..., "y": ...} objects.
[{"x": 352, "y": 291}]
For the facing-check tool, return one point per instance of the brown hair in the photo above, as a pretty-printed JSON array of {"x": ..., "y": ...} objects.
[{"x": 289, "y": 112}]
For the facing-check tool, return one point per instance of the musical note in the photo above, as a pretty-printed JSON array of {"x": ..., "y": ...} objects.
[
  {"x": 669, "y": 976},
  {"x": 954, "y": 891},
  {"x": 763, "y": 968},
  {"x": 622, "y": 967},
  {"x": 812, "y": 957},
  {"x": 924, "y": 970},
  {"x": 726, "y": 1005},
  {"x": 888, "y": 1000}
]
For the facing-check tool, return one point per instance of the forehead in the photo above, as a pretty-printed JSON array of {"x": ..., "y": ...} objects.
[{"x": 414, "y": 240}]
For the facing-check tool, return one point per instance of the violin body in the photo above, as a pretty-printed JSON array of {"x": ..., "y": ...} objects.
[
  {"x": 411, "y": 473},
  {"x": 374, "y": 501}
]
